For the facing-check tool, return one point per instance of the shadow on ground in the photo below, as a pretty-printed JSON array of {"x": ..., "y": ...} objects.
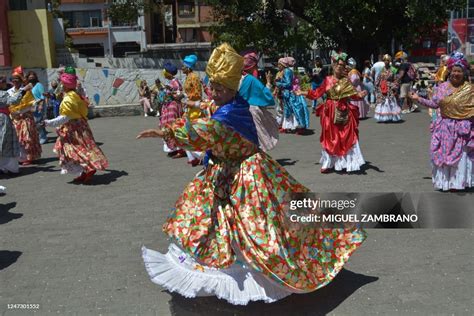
[
  {"x": 106, "y": 178},
  {"x": 7, "y": 258},
  {"x": 26, "y": 171},
  {"x": 5, "y": 215},
  {"x": 319, "y": 302},
  {"x": 287, "y": 162}
]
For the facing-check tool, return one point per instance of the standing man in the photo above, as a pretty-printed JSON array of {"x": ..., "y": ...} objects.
[{"x": 406, "y": 76}]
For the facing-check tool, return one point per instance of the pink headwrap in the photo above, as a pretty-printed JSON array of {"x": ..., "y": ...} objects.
[
  {"x": 457, "y": 59},
  {"x": 287, "y": 61},
  {"x": 68, "y": 80},
  {"x": 250, "y": 60}
]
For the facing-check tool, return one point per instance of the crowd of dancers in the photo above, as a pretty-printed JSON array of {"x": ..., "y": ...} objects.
[{"x": 227, "y": 230}]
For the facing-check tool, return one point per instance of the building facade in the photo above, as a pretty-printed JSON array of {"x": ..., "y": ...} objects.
[
  {"x": 26, "y": 35},
  {"x": 94, "y": 35}
]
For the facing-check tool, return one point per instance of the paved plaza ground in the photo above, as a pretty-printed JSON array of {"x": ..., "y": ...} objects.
[{"x": 75, "y": 249}]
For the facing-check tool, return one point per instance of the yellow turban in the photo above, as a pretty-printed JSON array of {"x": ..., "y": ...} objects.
[
  {"x": 401, "y": 55},
  {"x": 225, "y": 67}
]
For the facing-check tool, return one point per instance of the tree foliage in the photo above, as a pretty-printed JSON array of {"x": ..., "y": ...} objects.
[
  {"x": 360, "y": 27},
  {"x": 257, "y": 24},
  {"x": 127, "y": 12}
]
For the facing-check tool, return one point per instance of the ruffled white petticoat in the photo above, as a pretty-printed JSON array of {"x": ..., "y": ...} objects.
[
  {"x": 388, "y": 111},
  {"x": 457, "y": 177},
  {"x": 178, "y": 272},
  {"x": 352, "y": 161}
]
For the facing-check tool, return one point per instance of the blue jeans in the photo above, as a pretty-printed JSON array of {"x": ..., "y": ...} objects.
[
  {"x": 369, "y": 86},
  {"x": 39, "y": 118}
]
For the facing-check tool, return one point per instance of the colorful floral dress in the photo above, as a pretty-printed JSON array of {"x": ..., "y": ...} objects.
[
  {"x": 452, "y": 145},
  {"x": 387, "y": 108},
  {"x": 339, "y": 125},
  {"x": 227, "y": 226},
  {"x": 75, "y": 145},
  {"x": 25, "y": 126},
  {"x": 171, "y": 109}
]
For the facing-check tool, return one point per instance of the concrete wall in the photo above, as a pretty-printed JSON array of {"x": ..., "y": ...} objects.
[
  {"x": 107, "y": 86},
  {"x": 31, "y": 38}
]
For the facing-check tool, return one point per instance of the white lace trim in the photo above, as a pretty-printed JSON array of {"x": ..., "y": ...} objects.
[
  {"x": 457, "y": 177},
  {"x": 388, "y": 111},
  {"x": 290, "y": 123},
  {"x": 178, "y": 272},
  {"x": 352, "y": 161}
]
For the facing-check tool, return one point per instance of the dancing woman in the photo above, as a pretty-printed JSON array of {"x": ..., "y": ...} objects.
[
  {"x": 23, "y": 119},
  {"x": 339, "y": 120},
  {"x": 227, "y": 232},
  {"x": 452, "y": 137},
  {"x": 75, "y": 146},
  {"x": 387, "y": 85}
]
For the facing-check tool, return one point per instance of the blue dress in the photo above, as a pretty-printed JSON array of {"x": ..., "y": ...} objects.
[{"x": 293, "y": 105}]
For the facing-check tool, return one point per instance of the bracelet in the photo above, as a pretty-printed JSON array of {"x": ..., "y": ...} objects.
[{"x": 197, "y": 104}]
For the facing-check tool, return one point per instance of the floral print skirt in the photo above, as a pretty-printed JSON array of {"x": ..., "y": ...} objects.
[
  {"x": 229, "y": 218},
  {"x": 76, "y": 146}
]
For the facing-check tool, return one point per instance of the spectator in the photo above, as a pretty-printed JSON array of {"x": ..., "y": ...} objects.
[
  {"x": 145, "y": 97},
  {"x": 406, "y": 76},
  {"x": 368, "y": 83}
]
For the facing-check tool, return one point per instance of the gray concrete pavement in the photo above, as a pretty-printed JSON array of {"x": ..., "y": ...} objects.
[{"x": 75, "y": 249}]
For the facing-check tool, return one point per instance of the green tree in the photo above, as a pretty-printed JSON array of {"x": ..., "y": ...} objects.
[
  {"x": 362, "y": 27},
  {"x": 127, "y": 12},
  {"x": 258, "y": 24}
]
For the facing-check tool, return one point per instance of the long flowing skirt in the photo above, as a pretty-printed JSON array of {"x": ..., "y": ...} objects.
[
  {"x": 296, "y": 107},
  {"x": 77, "y": 149},
  {"x": 388, "y": 110},
  {"x": 362, "y": 106},
  {"x": 230, "y": 240},
  {"x": 351, "y": 161},
  {"x": 30, "y": 147},
  {"x": 9, "y": 146},
  {"x": 169, "y": 113},
  {"x": 267, "y": 127}
]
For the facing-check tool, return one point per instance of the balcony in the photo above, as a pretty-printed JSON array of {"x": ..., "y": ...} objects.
[{"x": 87, "y": 31}]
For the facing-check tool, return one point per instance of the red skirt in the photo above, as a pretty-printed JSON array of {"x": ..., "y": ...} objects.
[
  {"x": 28, "y": 136},
  {"x": 338, "y": 139},
  {"x": 76, "y": 144}
]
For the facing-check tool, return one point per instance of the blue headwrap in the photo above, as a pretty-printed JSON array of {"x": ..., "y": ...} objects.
[
  {"x": 237, "y": 116},
  {"x": 255, "y": 93},
  {"x": 170, "y": 68},
  {"x": 190, "y": 61}
]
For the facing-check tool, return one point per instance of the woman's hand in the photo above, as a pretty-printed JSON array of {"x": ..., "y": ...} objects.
[
  {"x": 413, "y": 96},
  {"x": 150, "y": 133},
  {"x": 269, "y": 76},
  {"x": 362, "y": 94}
]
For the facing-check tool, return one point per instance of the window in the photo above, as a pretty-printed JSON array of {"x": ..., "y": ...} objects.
[
  {"x": 79, "y": 19},
  {"x": 186, "y": 10},
  {"x": 18, "y": 5},
  {"x": 189, "y": 35}
]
